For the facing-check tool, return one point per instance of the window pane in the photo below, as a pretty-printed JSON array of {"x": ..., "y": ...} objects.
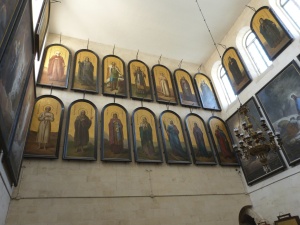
[
  {"x": 229, "y": 90},
  {"x": 262, "y": 53},
  {"x": 292, "y": 8},
  {"x": 257, "y": 58},
  {"x": 226, "y": 86},
  {"x": 250, "y": 38},
  {"x": 257, "y": 54}
]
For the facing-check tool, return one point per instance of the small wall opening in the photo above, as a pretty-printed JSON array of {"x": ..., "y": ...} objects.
[{"x": 248, "y": 216}]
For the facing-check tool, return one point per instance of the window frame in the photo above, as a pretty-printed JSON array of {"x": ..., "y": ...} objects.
[
  {"x": 221, "y": 74},
  {"x": 259, "y": 52},
  {"x": 287, "y": 14}
]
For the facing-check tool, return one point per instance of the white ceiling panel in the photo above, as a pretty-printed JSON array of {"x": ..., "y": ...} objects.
[{"x": 173, "y": 28}]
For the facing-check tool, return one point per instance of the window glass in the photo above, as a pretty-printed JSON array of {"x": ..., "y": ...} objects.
[
  {"x": 226, "y": 86},
  {"x": 257, "y": 54},
  {"x": 292, "y": 9}
]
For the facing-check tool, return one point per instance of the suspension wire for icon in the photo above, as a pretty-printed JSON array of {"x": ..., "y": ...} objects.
[
  {"x": 212, "y": 38},
  {"x": 137, "y": 54},
  {"x": 212, "y": 113},
  {"x": 239, "y": 100},
  {"x": 179, "y": 65},
  {"x": 60, "y": 38},
  {"x": 223, "y": 46},
  {"x": 115, "y": 97},
  {"x": 114, "y": 49},
  {"x": 51, "y": 89},
  {"x": 250, "y": 7},
  {"x": 199, "y": 68},
  {"x": 191, "y": 110},
  {"x": 142, "y": 102},
  {"x": 168, "y": 105},
  {"x": 87, "y": 46},
  {"x": 55, "y": 1},
  {"x": 84, "y": 94},
  {"x": 159, "y": 59}
]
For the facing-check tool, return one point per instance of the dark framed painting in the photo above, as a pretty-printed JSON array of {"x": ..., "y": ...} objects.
[
  {"x": 115, "y": 134},
  {"x": 139, "y": 81},
  {"x": 81, "y": 131},
  {"x": 252, "y": 168},
  {"x": 14, "y": 67},
  {"x": 287, "y": 219},
  {"x": 43, "y": 139},
  {"x": 15, "y": 155},
  {"x": 185, "y": 88},
  {"x": 176, "y": 150},
  {"x": 270, "y": 32},
  {"x": 55, "y": 67},
  {"x": 200, "y": 146},
  {"x": 9, "y": 12},
  {"x": 85, "y": 75},
  {"x": 206, "y": 92},
  {"x": 114, "y": 79},
  {"x": 236, "y": 70},
  {"x": 164, "y": 87},
  {"x": 41, "y": 28},
  {"x": 145, "y": 136},
  {"x": 222, "y": 142},
  {"x": 281, "y": 104}
]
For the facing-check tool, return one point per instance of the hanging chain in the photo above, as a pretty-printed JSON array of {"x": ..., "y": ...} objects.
[{"x": 212, "y": 38}]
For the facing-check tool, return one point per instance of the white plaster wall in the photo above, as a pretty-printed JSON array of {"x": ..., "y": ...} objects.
[
  {"x": 4, "y": 202},
  {"x": 5, "y": 192},
  {"x": 78, "y": 192},
  {"x": 278, "y": 194}
]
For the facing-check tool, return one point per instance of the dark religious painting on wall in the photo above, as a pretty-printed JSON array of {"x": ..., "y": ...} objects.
[
  {"x": 41, "y": 27},
  {"x": 81, "y": 131},
  {"x": 185, "y": 87},
  {"x": 43, "y": 139},
  {"x": 222, "y": 142},
  {"x": 252, "y": 167},
  {"x": 85, "y": 74},
  {"x": 15, "y": 155},
  {"x": 270, "y": 32},
  {"x": 163, "y": 85},
  {"x": 140, "y": 81},
  {"x": 114, "y": 79},
  {"x": 236, "y": 70},
  {"x": 9, "y": 10},
  {"x": 174, "y": 142},
  {"x": 55, "y": 67},
  {"x": 280, "y": 100},
  {"x": 202, "y": 151},
  {"x": 298, "y": 57},
  {"x": 115, "y": 134},
  {"x": 14, "y": 67},
  {"x": 206, "y": 92},
  {"x": 145, "y": 136}
]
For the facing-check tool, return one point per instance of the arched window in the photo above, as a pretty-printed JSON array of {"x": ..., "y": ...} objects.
[
  {"x": 256, "y": 52},
  {"x": 292, "y": 9},
  {"x": 226, "y": 86}
]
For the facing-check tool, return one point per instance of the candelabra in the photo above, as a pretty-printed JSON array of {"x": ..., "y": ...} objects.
[{"x": 255, "y": 142}]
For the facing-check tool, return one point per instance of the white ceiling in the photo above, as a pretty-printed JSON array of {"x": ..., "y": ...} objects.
[{"x": 172, "y": 28}]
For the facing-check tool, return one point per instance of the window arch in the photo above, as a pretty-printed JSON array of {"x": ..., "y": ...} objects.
[
  {"x": 292, "y": 10},
  {"x": 226, "y": 86},
  {"x": 256, "y": 53}
]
